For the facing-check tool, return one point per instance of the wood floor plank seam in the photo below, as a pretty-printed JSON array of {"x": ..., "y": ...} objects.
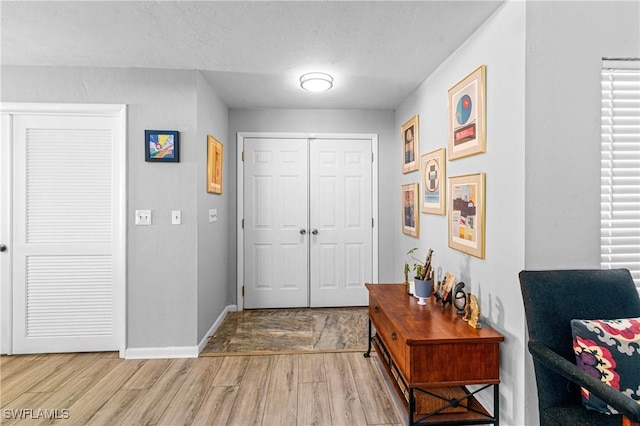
[
  {"x": 184, "y": 406},
  {"x": 153, "y": 404}
]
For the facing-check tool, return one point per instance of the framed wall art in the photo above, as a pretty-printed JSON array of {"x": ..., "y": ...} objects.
[
  {"x": 214, "y": 165},
  {"x": 410, "y": 216},
  {"x": 467, "y": 214},
  {"x": 410, "y": 145},
  {"x": 467, "y": 115},
  {"x": 162, "y": 145},
  {"x": 433, "y": 194}
]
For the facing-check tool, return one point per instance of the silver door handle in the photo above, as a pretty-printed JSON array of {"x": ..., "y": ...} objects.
[
  {"x": 303, "y": 231},
  {"x": 314, "y": 232}
]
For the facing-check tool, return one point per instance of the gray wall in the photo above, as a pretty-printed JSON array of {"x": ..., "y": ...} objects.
[
  {"x": 214, "y": 255},
  {"x": 565, "y": 44},
  {"x": 163, "y": 264},
  {"x": 499, "y": 44},
  {"x": 326, "y": 121}
]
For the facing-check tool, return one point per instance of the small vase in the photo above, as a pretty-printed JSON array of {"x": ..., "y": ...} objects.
[{"x": 423, "y": 290}]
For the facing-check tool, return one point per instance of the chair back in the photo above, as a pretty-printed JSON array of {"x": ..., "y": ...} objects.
[{"x": 553, "y": 298}]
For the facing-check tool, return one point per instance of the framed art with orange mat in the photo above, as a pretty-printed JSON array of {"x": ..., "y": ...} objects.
[{"x": 214, "y": 165}]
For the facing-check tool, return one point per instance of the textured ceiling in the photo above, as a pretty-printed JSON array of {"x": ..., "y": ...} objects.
[{"x": 252, "y": 52}]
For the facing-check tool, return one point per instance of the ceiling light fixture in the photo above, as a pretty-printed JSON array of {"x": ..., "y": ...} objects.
[{"x": 316, "y": 81}]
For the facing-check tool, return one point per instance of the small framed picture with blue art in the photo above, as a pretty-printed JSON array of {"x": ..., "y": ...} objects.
[{"x": 162, "y": 145}]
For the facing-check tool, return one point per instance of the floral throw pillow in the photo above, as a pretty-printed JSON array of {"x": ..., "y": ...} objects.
[{"x": 610, "y": 351}]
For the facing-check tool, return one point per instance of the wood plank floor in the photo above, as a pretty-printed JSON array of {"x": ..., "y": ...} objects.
[{"x": 272, "y": 390}]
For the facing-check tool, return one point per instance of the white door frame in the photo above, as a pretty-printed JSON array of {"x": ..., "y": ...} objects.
[
  {"x": 120, "y": 155},
  {"x": 240, "y": 192}
]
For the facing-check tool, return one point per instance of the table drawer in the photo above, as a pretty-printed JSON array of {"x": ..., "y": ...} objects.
[{"x": 393, "y": 339}]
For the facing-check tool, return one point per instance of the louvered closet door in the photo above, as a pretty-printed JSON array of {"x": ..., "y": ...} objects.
[{"x": 64, "y": 203}]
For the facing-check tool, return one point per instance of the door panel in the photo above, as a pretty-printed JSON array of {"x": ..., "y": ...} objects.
[
  {"x": 275, "y": 194},
  {"x": 341, "y": 212},
  {"x": 65, "y": 214}
]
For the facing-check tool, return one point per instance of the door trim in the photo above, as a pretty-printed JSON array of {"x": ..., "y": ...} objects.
[
  {"x": 373, "y": 137},
  {"x": 119, "y": 111}
]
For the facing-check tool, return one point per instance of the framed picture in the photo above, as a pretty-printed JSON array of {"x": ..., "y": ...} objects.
[
  {"x": 447, "y": 285},
  {"x": 410, "y": 152},
  {"x": 433, "y": 194},
  {"x": 466, "y": 214},
  {"x": 467, "y": 115},
  {"x": 162, "y": 145},
  {"x": 214, "y": 165},
  {"x": 410, "y": 216}
]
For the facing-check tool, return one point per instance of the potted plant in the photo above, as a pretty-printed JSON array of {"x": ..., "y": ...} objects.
[{"x": 423, "y": 275}]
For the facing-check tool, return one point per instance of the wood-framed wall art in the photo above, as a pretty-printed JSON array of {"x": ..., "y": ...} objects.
[
  {"x": 467, "y": 214},
  {"x": 162, "y": 146},
  {"x": 467, "y": 115},
  {"x": 410, "y": 145},
  {"x": 410, "y": 214},
  {"x": 433, "y": 171},
  {"x": 214, "y": 165}
]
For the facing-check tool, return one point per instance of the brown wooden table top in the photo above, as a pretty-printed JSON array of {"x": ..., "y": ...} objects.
[{"x": 428, "y": 324}]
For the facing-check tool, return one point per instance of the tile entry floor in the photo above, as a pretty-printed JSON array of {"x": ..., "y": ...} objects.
[{"x": 290, "y": 331}]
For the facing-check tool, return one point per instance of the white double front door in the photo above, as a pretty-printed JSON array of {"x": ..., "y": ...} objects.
[{"x": 308, "y": 222}]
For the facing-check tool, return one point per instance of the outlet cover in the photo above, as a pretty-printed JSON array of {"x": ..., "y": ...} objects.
[
  {"x": 143, "y": 217},
  {"x": 213, "y": 215}
]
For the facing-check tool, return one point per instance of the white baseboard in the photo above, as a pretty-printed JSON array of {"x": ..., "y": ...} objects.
[
  {"x": 216, "y": 325},
  {"x": 166, "y": 352},
  {"x": 179, "y": 351}
]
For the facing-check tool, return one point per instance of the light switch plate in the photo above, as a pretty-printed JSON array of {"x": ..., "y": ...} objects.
[
  {"x": 143, "y": 217},
  {"x": 176, "y": 217},
  {"x": 213, "y": 215}
]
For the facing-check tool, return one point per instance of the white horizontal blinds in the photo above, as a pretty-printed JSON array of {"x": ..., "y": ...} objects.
[
  {"x": 620, "y": 167},
  {"x": 69, "y": 296},
  {"x": 69, "y": 185}
]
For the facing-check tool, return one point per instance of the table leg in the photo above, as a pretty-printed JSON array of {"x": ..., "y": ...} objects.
[
  {"x": 368, "y": 353},
  {"x": 412, "y": 406},
  {"x": 496, "y": 404}
]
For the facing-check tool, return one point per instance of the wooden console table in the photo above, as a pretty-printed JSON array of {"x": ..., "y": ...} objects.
[{"x": 430, "y": 354}]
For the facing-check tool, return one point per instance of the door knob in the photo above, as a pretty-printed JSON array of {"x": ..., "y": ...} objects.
[
  {"x": 314, "y": 232},
  {"x": 3, "y": 248},
  {"x": 303, "y": 231}
]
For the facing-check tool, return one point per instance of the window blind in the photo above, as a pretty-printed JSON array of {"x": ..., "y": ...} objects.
[{"x": 620, "y": 167}]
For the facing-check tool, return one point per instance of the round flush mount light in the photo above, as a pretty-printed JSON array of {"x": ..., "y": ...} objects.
[{"x": 316, "y": 81}]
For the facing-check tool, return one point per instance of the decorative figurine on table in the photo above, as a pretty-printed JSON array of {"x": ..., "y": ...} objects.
[
  {"x": 467, "y": 309},
  {"x": 406, "y": 277},
  {"x": 474, "y": 309},
  {"x": 459, "y": 298},
  {"x": 438, "y": 285}
]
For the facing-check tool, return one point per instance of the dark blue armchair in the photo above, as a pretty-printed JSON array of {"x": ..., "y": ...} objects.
[{"x": 551, "y": 300}]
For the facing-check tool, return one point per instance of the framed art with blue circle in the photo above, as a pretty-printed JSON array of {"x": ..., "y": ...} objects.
[
  {"x": 162, "y": 146},
  {"x": 467, "y": 115}
]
